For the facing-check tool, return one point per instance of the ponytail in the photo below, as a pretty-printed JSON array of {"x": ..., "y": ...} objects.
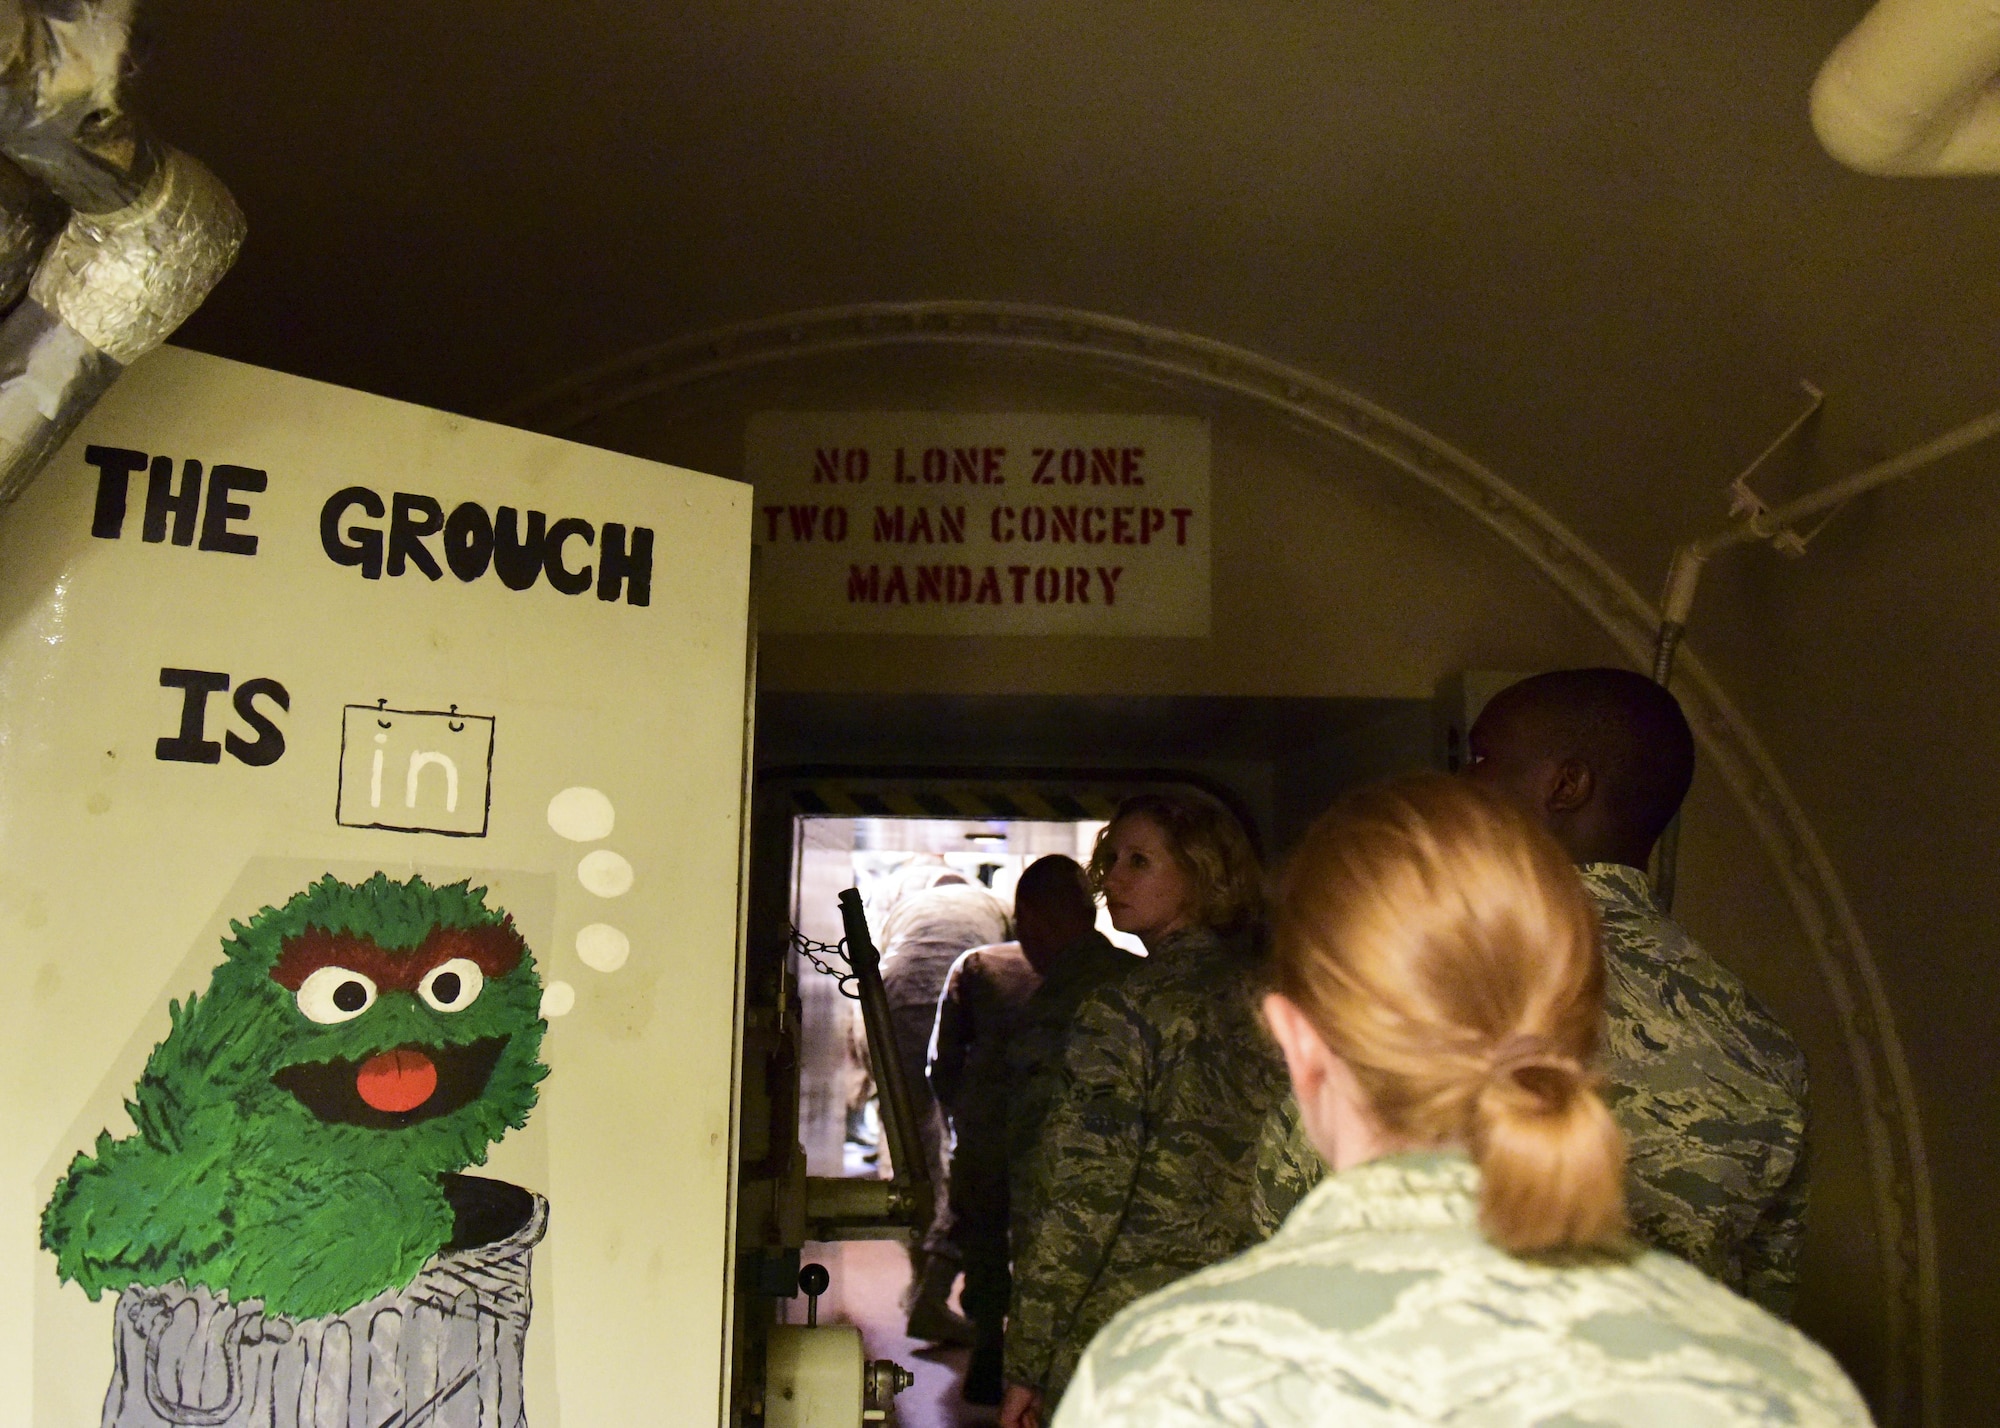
[
  {"x": 1551, "y": 1160},
  {"x": 1444, "y": 947}
]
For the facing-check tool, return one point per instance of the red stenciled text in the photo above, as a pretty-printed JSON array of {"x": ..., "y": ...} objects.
[{"x": 983, "y": 585}]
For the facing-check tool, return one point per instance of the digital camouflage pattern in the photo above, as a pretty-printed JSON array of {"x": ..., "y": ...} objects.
[
  {"x": 1711, "y": 1094},
  {"x": 1145, "y": 1167},
  {"x": 1380, "y": 1303},
  {"x": 1033, "y": 1057},
  {"x": 1708, "y": 1088},
  {"x": 1288, "y": 1167}
]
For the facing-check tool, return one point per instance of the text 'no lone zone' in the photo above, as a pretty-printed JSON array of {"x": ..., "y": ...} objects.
[{"x": 1000, "y": 524}]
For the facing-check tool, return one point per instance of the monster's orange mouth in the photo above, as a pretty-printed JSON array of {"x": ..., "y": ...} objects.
[{"x": 398, "y": 1087}]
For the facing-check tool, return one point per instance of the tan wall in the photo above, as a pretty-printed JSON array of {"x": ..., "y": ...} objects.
[
  {"x": 1334, "y": 575},
  {"x": 1873, "y": 669}
]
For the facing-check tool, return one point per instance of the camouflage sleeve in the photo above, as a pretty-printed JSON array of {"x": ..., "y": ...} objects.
[
  {"x": 1080, "y": 1180},
  {"x": 1287, "y": 1167},
  {"x": 950, "y": 1035},
  {"x": 1770, "y": 1256}
]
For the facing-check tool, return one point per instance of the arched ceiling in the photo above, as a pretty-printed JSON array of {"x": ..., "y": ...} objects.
[{"x": 1592, "y": 244}]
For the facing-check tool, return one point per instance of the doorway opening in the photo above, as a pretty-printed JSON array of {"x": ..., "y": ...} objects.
[
  {"x": 891, "y": 859},
  {"x": 887, "y": 859}
]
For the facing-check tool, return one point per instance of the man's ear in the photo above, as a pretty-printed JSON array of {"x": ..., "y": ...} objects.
[
  {"x": 1573, "y": 787},
  {"x": 1306, "y": 1056}
]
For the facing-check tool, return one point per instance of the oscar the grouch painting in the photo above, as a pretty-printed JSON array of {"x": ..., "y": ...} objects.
[{"x": 301, "y": 1128}]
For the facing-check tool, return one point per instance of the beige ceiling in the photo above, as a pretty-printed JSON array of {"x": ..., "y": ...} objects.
[{"x": 1594, "y": 244}]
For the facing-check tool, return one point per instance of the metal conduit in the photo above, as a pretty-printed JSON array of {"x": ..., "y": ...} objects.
[{"x": 1776, "y": 525}]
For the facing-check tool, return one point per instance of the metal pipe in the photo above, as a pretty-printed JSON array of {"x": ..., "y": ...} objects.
[
  {"x": 149, "y": 231},
  {"x": 912, "y": 1171},
  {"x": 1684, "y": 573},
  {"x": 1771, "y": 523},
  {"x": 850, "y": 1207}
]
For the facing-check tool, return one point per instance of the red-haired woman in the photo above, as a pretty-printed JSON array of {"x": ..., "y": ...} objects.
[{"x": 1439, "y": 994}]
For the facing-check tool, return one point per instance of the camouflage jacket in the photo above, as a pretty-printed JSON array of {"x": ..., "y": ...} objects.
[
  {"x": 1709, "y": 1090},
  {"x": 1031, "y": 1062},
  {"x": 1144, "y": 1168},
  {"x": 1288, "y": 1167},
  {"x": 1380, "y": 1305},
  {"x": 1711, "y": 1095},
  {"x": 978, "y": 1016}
]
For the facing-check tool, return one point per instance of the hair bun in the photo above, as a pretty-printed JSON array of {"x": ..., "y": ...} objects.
[
  {"x": 1550, "y": 1157},
  {"x": 1529, "y": 1064}
]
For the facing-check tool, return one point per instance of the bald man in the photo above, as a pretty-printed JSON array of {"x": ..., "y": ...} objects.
[
  {"x": 1708, "y": 1088},
  {"x": 997, "y": 1038}
]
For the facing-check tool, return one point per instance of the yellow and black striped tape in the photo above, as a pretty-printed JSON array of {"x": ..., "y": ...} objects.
[{"x": 884, "y": 798}]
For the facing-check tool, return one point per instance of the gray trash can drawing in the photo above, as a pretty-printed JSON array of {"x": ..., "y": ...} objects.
[{"x": 444, "y": 1351}]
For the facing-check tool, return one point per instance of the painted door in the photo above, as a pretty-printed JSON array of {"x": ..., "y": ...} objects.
[{"x": 370, "y": 823}]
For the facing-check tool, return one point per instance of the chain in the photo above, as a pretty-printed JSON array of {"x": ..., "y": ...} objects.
[{"x": 818, "y": 954}]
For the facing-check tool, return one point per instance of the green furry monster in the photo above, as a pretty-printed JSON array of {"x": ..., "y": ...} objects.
[{"x": 300, "y": 1128}]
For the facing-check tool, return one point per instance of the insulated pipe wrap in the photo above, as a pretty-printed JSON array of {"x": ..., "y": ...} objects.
[
  {"x": 1910, "y": 90},
  {"x": 145, "y": 231},
  {"x": 30, "y": 218},
  {"x": 123, "y": 281}
]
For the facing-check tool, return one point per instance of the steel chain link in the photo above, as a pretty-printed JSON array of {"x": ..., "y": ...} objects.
[{"x": 817, "y": 953}]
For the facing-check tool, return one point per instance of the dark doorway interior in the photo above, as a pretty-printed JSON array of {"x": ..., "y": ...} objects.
[
  {"x": 1007, "y": 763},
  {"x": 1278, "y": 761}
]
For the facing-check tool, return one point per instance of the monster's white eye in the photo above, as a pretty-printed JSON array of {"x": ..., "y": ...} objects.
[
  {"x": 452, "y": 986},
  {"x": 335, "y": 994}
]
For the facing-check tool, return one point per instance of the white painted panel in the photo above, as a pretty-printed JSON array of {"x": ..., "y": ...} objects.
[
  {"x": 982, "y": 524},
  {"x": 550, "y": 747}
]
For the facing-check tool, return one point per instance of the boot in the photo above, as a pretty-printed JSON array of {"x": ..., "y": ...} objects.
[
  {"x": 984, "y": 1374},
  {"x": 932, "y": 1319}
]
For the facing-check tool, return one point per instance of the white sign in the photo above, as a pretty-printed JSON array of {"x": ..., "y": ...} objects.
[
  {"x": 454, "y": 799},
  {"x": 968, "y": 524},
  {"x": 278, "y": 659}
]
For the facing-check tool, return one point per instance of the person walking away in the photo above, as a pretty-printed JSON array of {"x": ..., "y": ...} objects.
[
  {"x": 1710, "y": 1090},
  {"x": 1144, "y": 1168},
  {"x": 1084, "y": 959},
  {"x": 977, "y": 1068},
  {"x": 922, "y": 936},
  {"x": 1439, "y": 1003},
  {"x": 922, "y": 870}
]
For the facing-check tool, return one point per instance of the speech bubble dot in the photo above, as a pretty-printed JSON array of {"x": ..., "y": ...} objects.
[
  {"x": 557, "y": 999},
  {"x": 582, "y": 815},
  {"x": 605, "y": 873},
  {"x": 602, "y": 947}
]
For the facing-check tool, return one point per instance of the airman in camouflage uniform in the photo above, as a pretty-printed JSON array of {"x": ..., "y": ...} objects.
[
  {"x": 1711, "y": 1095},
  {"x": 1032, "y": 1060},
  {"x": 977, "y": 1017},
  {"x": 922, "y": 937},
  {"x": 1380, "y": 1304},
  {"x": 1709, "y": 1090},
  {"x": 1144, "y": 1169},
  {"x": 1002, "y": 1024}
]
